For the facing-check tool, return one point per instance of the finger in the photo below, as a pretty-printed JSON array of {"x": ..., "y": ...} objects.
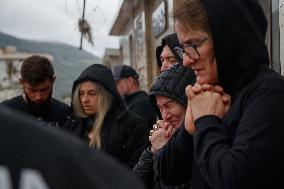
[
  {"x": 188, "y": 122},
  {"x": 161, "y": 123},
  {"x": 189, "y": 93},
  {"x": 169, "y": 131},
  {"x": 166, "y": 125},
  {"x": 207, "y": 87},
  {"x": 172, "y": 132},
  {"x": 156, "y": 127},
  {"x": 226, "y": 98},
  {"x": 196, "y": 88},
  {"x": 218, "y": 89}
]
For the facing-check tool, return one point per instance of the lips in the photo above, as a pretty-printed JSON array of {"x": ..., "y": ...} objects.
[{"x": 87, "y": 107}]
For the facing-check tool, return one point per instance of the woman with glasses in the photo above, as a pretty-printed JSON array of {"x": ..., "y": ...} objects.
[
  {"x": 235, "y": 112},
  {"x": 168, "y": 96},
  {"x": 165, "y": 53}
]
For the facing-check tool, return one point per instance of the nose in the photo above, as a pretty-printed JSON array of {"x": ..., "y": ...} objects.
[
  {"x": 187, "y": 61},
  {"x": 39, "y": 96},
  {"x": 84, "y": 98},
  {"x": 166, "y": 115},
  {"x": 166, "y": 65}
]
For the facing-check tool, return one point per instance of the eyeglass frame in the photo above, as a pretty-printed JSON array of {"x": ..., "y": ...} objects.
[{"x": 181, "y": 50}]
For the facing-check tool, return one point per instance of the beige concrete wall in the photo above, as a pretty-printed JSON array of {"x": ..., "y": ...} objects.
[
  {"x": 138, "y": 44},
  {"x": 156, "y": 41}
]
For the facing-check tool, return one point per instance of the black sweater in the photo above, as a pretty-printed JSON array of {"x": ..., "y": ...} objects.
[{"x": 244, "y": 150}]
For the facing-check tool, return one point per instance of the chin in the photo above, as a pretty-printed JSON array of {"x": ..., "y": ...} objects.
[
  {"x": 203, "y": 80},
  {"x": 89, "y": 113},
  {"x": 200, "y": 80}
]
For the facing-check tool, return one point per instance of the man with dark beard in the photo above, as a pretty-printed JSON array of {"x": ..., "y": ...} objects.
[{"x": 37, "y": 79}]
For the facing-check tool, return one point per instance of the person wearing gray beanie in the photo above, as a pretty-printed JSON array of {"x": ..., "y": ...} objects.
[{"x": 167, "y": 95}]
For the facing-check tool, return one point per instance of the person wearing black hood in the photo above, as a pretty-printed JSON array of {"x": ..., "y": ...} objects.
[
  {"x": 165, "y": 53},
  {"x": 167, "y": 94},
  {"x": 100, "y": 117},
  {"x": 235, "y": 114}
]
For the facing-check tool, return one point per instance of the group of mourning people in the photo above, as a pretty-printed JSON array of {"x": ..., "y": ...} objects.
[{"x": 213, "y": 118}]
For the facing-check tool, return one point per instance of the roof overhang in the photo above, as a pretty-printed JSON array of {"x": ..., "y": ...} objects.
[{"x": 123, "y": 17}]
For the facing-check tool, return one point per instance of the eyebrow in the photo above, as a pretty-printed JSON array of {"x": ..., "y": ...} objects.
[
  {"x": 167, "y": 102},
  {"x": 171, "y": 56}
]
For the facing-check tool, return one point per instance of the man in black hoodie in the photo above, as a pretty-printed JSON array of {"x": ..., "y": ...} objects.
[{"x": 238, "y": 143}]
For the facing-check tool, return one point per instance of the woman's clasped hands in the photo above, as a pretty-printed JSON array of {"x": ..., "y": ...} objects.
[{"x": 205, "y": 100}]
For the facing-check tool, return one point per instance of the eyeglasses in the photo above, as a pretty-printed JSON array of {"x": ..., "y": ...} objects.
[{"x": 190, "y": 50}]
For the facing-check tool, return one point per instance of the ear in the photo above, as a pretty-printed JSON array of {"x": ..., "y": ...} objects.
[
  {"x": 21, "y": 81},
  {"x": 130, "y": 80}
]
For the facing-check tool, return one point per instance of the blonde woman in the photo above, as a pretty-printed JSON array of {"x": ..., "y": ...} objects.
[{"x": 100, "y": 117}]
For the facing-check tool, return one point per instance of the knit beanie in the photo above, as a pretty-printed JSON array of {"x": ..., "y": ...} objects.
[
  {"x": 172, "y": 83},
  {"x": 172, "y": 42}
]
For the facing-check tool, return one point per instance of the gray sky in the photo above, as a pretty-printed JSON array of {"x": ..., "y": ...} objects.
[{"x": 56, "y": 20}]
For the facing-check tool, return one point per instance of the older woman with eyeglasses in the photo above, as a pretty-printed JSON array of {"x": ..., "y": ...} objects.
[
  {"x": 168, "y": 97},
  {"x": 235, "y": 112}
]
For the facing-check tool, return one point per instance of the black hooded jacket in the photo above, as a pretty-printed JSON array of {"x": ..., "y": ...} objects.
[
  {"x": 245, "y": 149},
  {"x": 124, "y": 134}
]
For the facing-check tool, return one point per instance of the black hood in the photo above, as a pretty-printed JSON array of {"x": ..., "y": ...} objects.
[
  {"x": 172, "y": 42},
  {"x": 100, "y": 74},
  {"x": 238, "y": 29}
]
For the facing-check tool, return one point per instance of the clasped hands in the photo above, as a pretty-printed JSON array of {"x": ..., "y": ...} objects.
[
  {"x": 160, "y": 135},
  {"x": 205, "y": 100}
]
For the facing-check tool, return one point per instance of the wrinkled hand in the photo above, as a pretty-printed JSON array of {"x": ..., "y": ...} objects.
[
  {"x": 205, "y": 100},
  {"x": 197, "y": 88},
  {"x": 160, "y": 135}
]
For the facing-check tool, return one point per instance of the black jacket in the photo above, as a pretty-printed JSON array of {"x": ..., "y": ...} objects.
[
  {"x": 138, "y": 103},
  {"x": 53, "y": 115},
  {"x": 36, "y": 157},
  {"x": 147, "y": 169},
  {"x": 124, "y": 134},
  {"x": 171, "y": 83},
  {"x": 246, "y": 148}
]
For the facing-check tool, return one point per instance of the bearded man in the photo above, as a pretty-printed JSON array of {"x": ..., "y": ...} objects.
[{"x": 37, "y": 80}]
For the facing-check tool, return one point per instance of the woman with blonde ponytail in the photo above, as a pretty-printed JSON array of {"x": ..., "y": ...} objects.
[{"x": 100, "y": 117}]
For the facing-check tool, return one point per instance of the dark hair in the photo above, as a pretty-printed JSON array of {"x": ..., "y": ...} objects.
[
  {"x": 171, "y": 41},
  {"x": 36, "y": 69}
]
